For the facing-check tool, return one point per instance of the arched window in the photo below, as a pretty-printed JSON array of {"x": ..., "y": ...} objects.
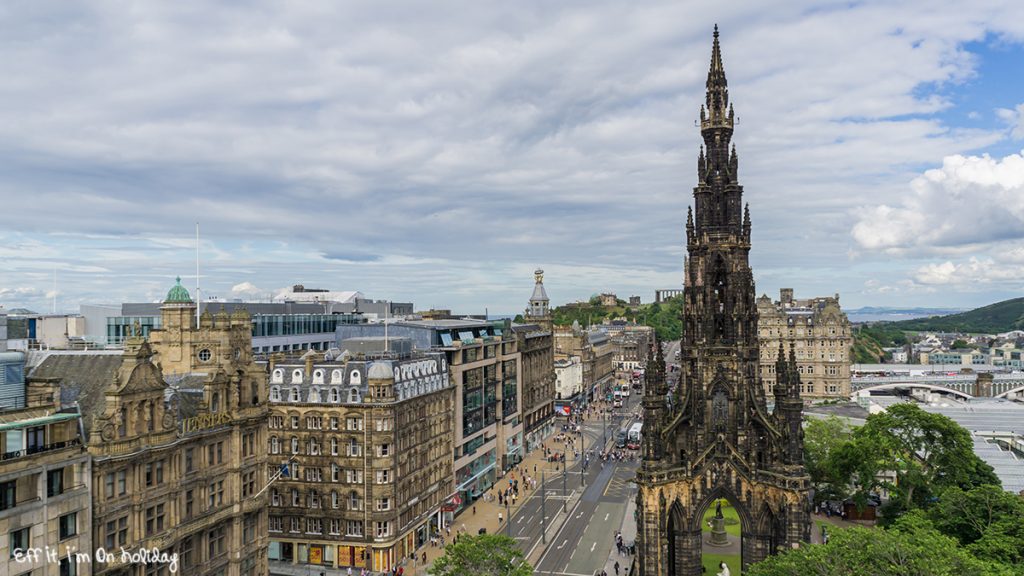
[
  {"x": 334, "y": 499},
  {"x": 278, "y": 376},
  {"x": 335, "y": 376},
  {"x": 275, "y": 445},
  {"x": 297, "y": 376},
  {"x": 353, "y": 395},
  {"x": 354, "y": 377},
  {"x": 254, "y": 390},
  {"x": 318, "y": 376},
  {"x": 294, "y": 396},
  {"x": 335, "y": 395},
  {"x": 275, "y": 393},
  {"x": 314, "y": 395},
  {"x": 295, "y": 445}
]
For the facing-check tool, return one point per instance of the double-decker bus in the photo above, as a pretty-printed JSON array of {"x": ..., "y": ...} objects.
[{"x": 633, "y": 435}]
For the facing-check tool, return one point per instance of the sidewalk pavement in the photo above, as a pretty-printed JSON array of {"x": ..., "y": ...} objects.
[{"x": 628, "y": 530}]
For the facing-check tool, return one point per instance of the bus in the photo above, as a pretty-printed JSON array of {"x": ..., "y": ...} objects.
[
  {"x": 633, "y": 435},
  {"x": 623, "y": 389},
  {"x": 620, "y": 439}
]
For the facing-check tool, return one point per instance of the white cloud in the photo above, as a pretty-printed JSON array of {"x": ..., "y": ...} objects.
[
  {"x": 970, "y": 200},
  {"x": 971, "y": 273},
  {"x": 248, "y": 290},
  {"x": 1015, "y": 119}
]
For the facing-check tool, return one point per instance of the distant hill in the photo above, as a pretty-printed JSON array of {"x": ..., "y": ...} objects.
[
  {"x": 665, "y": 318},
  {"x": 999, "y": 317}
]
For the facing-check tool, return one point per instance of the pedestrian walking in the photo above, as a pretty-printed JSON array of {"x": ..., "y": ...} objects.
[
  {"x": 616, "y": 568},
  {"x": 499, "y": 517}
]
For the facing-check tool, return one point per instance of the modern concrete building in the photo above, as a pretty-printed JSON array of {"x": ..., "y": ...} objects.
[
  {"x": 44, "y": 331},
  {"x": 44, "y": 478},
  {"x": 818, "y": 331},
  {"x": 3, "y": 330},
  {"x": 276, "y": 327},
  {"x": 367, "y": 441}
]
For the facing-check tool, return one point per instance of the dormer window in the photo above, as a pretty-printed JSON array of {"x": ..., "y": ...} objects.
[
  {"x": 294, "y": 395},
  {"x": 278, "y": 376},
  {"x": 335, "y": 376},
  {"x": 275, "y": 393},
  {"x": 354, "y": 377},
  {"x": 334, "y": 396},
  {"x": 314, "y": 394},
  {"x": 353, "y": 395},
  {"x": 297, "y": 376},
  {"x": 318, "y": 376}
]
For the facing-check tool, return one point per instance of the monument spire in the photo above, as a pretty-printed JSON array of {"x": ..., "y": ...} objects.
[{"x": 718, "y": 440}]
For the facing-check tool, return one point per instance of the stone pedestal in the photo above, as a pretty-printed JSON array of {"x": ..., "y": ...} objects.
[{"x": 718, "y": 536}]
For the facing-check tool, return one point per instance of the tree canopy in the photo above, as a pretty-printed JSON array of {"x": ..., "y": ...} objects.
[
  {"x": 486, "y": 555},
  {"x": 928, "y": 453},
  {"x": 911, "y": 546}
]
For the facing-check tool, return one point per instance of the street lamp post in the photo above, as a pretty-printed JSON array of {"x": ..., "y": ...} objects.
[
  {"x": 604, "y": 429},
  {"x": 543, "y": 527},
  {"x": 508, "y": 520},
  {"x": 565, "y": 475}
]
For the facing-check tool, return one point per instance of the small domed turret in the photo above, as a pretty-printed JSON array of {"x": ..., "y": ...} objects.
[{"x": 178, "y": 294}]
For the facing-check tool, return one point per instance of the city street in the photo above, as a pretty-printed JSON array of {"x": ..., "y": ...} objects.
[{"x": 583, "y": 543}]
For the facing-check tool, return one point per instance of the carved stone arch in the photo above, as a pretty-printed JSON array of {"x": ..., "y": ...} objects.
[
  {"x": 722, "y": 491},
  {"x": 675, "y": 536},
  {"x": 770, "y": 527},
  {"x": 720, "y": 399}
]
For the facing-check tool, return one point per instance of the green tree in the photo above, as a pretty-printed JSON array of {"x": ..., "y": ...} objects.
[
  {"x": 912, "y": 546},
  {"x": 928, "y": 452},
  {"x": 968, "y": 514},
  {"x": 958, "y": 343},
  {"x": 486, "y": 555},
  {"x": 821, "y": 438}
]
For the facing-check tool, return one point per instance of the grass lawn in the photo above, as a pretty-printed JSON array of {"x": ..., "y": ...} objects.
[
  {"x": 732, "y": 520},
  {"x": 711, "y": 560}
]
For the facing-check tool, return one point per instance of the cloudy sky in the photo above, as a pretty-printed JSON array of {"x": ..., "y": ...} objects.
[{"x": 439, "y": 155}]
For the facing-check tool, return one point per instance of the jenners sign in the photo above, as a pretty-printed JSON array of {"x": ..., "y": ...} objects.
[{"x": 204, "y": 422}]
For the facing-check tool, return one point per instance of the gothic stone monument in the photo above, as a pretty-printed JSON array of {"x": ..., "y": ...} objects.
[{"x": 713, "y": 437}]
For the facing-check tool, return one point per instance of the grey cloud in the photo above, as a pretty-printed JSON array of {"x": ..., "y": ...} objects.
[{"x": 499, "y": 134}]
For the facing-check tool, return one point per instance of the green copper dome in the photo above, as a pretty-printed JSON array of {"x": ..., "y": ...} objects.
[{"x": 178, "y": 294}]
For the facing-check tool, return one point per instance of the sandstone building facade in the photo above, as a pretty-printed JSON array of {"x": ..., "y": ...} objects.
[
  {"x": 44, "y": 477},
  {"x": 178, "y": 455},
  {"x": 366, "y": 443},
  {"x": 819, "y": 333},
  {"x": 536, "y": 347}
]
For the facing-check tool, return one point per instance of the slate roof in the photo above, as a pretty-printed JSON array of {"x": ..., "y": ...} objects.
[{"x": 83, "y": 379}]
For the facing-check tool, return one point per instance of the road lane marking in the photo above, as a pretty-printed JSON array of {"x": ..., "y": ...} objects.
[
  {"x": 592, "y": 546},
  {"x": 562, "y": 545},
  {"x": 606, "y": 516}
]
